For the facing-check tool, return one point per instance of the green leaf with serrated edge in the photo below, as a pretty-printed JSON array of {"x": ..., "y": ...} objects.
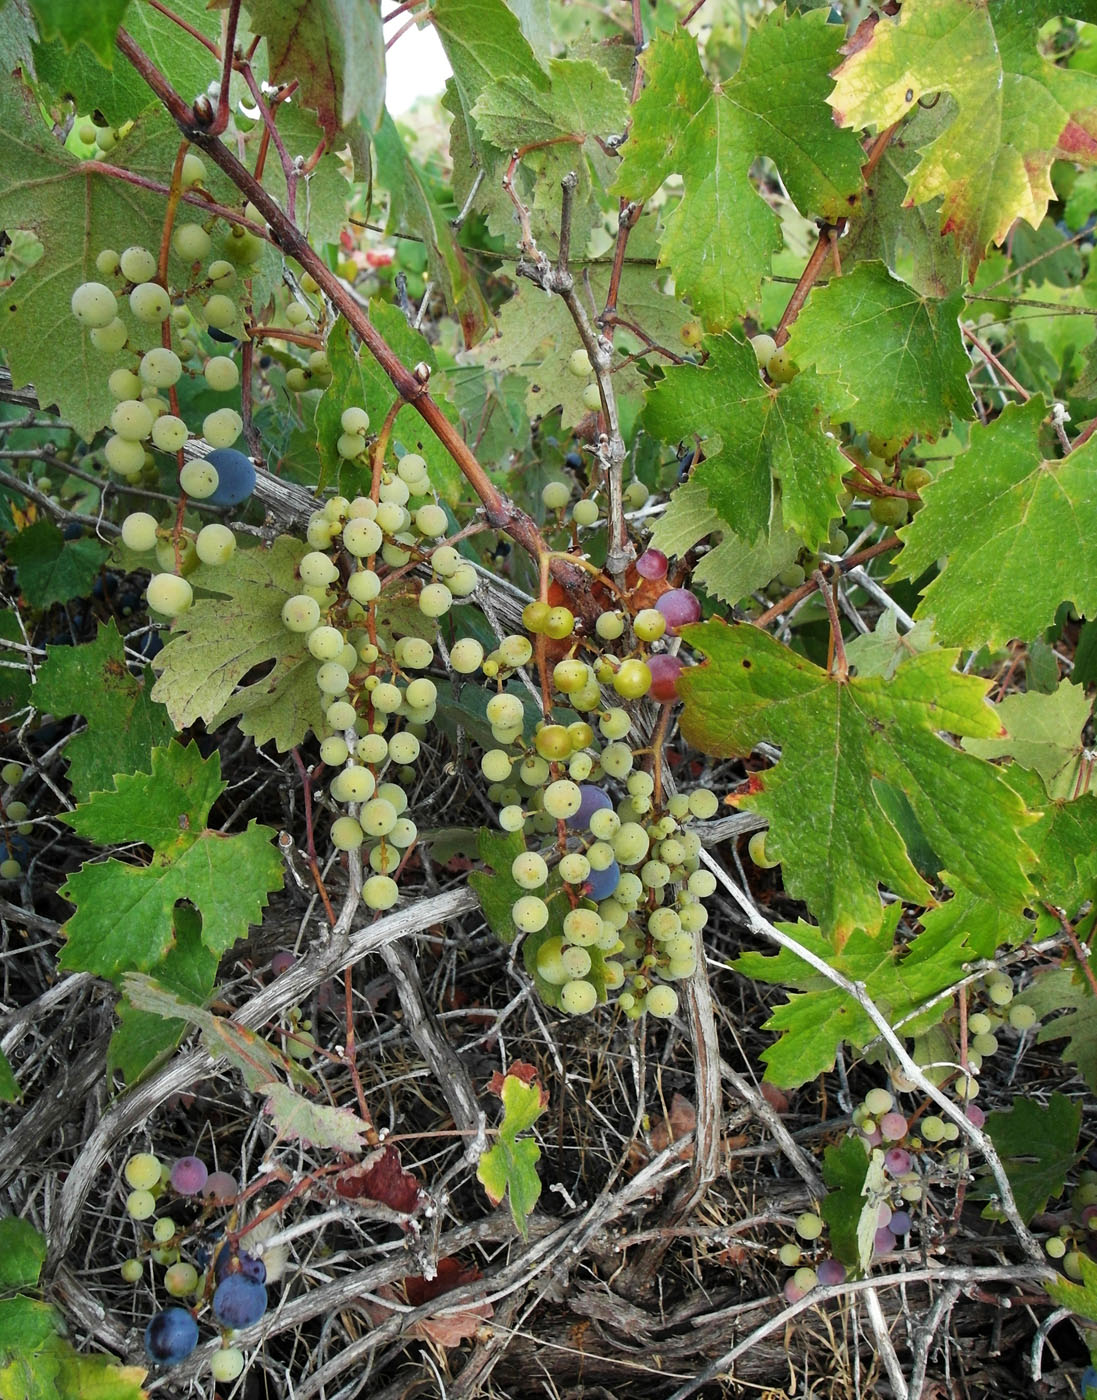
[
  {"x": 845, "y": 1166},
  {"x": 15, "y": 684},
  {"x": 220, "y": 639},
  {"x": 413, "y": 208},
  {"x": 510, "y": 1167},
  {"x": 687, "y": 519},
  {"x": 18, "y": 33},
  {"x": 1019, "y": 532},
  {"x": 22, "y": 1253},
  {"x": 333, "y": 48},
  {"x": 897, "y": 356},
  {"x": 582, "y": 100},
  {"x": 10, "y": 1091},
  {"x": 124, "y": 912},
  {"x": 879, "y": 652},
  {"x": 735, "y": 567},
  {"x": 836, "y": 736},
  {"x": 900, "y": 978},
  {"x": 75, "y": 212},
  {"x": 313, "y": 1124},
  {"x": 321, "y": 208},
  {"x": 984, "y": 925},
  {"x": 92, "y": 22},
  {"x": 721, "y": 236},
  {"x": 83, "y": 1377},
  {"x": 123, "y": 723},
  {"x": 1016, "y": 111},
  {"x": 26, "y": 1328},
  {"x": 1064, "y": 841},
  {"x": 51, "y": 568},
  {"x": 1043, "y": 732},
  {"x": 1038, "y": 1145},
  {"x": 1080, "y": 1298},
  {"x": 1065, "y": 1003},
  {"x": 764, "y": 434},
  {"x": 495, "y": 888},
  {"x": 190, "y": 971}
]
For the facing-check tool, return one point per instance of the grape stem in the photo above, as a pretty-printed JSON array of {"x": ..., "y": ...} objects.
[
  {"x": 500, "y": 512},
  {"x": 836, "y": 651}
]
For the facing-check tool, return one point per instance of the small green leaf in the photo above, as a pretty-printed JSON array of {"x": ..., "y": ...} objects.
[
  {"x": 123, "y": 722},
  {"x": 51, "y": 568},
  {"x": 498, "y": 890},
  {"x": 509, "y": 1169},
  {"x": 1080, "y": 1298},
  {"x": 93, "y": 22},
  {"x": 10, "y": 1091},
  {"x": 1038, "y": 1145},
  {"x": 22, "y": 1253},
  {"x": 1065, "y": 990},
  {"x": 880, "y": 652},
  {"x": 845, "y": 1167},
  {"x": 1043, "y": 732}
]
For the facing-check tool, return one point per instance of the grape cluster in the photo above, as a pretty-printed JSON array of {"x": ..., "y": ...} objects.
[
  {"x": 237, "y": 1278},
  {"x": 13, "y": 815}
]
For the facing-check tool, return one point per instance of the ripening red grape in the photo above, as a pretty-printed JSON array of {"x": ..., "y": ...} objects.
[
  {"x": 220, "y": 1187},
  {"x": 189, "y": 1175},
  {"x": 652, "y": 564},
  {"x": 679, "y": 606},
  {"x": 665, "y": 671}
]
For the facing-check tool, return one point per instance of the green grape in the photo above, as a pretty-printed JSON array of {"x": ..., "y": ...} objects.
[
  {"x": 421, "y": 693},
  {"x": 222, "y": 427},
  {"x": 10, "y": 869},
  {"x": 878, "y": 1102},
  {"x": 764, "y": 347},
  {"x": 505, "y": 710},
  {"x": 191, "y": 242},
  {"x": 106, "y": 262},
  {"x": 585, "y": 512},
  {"x": 334, "y": 751},
  {"x": 126, "y": 458},
  {"x": 789, "y": 1255},
  {"x": 380, "y": 892},
  {"x": 149, "y": 302},
  {"x": 617, "y": 760},
  {"x": 94, "y": 304},
  {"x": 1022, "y": 1017},
  {"x": 164, "y": 1230},
  {"x": 378, "y": 817},
  {"x": 578, "y": 998},
  {"x": 387, "y": 698},
  {"x": 332, "y": 678},
  {"x": 630, "y": 845},
  {"x": 139, "y": 531},
  {"x": 592, "y": 398},
  {"x": 363, "y": 586},
  {"x": 600, "y": 855},
  {"x": 1000, "y": 990},
  {"x": 916, "y": 479},
  {"x": 978, "y": 1023},
  {"x": 326, "y": 644},
  {"x": 142, "y": 1171},
  {"x": 604, "y": 824},
  {"x": 355, "y": 784},
  {"x": 215, "y": 544},
  {"x": 394, "y": 490},
  {"x": 609, "y": 626},
  {"x": 123, "y": 384},
  {"x": 350, "y": 445},
  {"x": 635, "y": 495},
  {"x": 550, "y": 961},
  {"x": 530, "y": 913},
  {"x": 317, "y": 569},
  {"x": 198, "y": 480},
  {"x": 355, "y": 420},
  {"x": 405, "y": 833},
  {"x": 435, "y": 600},
  {"x": 137, "y": 264},
  {"x": 615, "y": 724},
  {"x": 579, "y": 364},
  {"x": 891, "y": 511},
  {"x": 703, "y": 804},
  {"x": 340, "y": 714},
  {"x": 219, "y": 310},
  {"x": 756, "y": 849},
  {"x": 780, "y": 367},
  {"x": 169, "y": 433},
  {"x": 131, "y": 1270},
  {"x": 301, "y": 614},
  {"x": 985, "y": 1044},
  {"x": 562, "y": 799},
  {"x": 809, "y": 1226},
  {"x": 169, "y": 595},
  {"x": 140, "y": 1204},
  {"x": 221, "y": 373},
  {"x": 559, "y": 623},
  {"x": 515, "y": 651},
  {"x": 933, "y": 1128},
  {"x": 577, "y": 962},
  {"x": 11, "y": 773},
  {"x": 465, "y": 656},
  {"x": 110, "y": 338},
  {"x": 1055, "y": 1246},
  {"x": 512, "y": 818},
  {"x": 534, "y": 615},
  {"x": 225, "y": 1365},
  {"x": 583, "y": 927},
  {"x": 632, "y": 679},
  {"x": 556, "y": 494},
  {"x": 580, "y": 767},
  {"x": 649, "y": 624},
  {"x": 574, "y": 868},
  {"x": 463, "y": 581},
  {"x": 346, "y": 834},
  {"x": 404, "y": 748},
  {"x": 661, "y": 1001},
  {"x": 655, "y": 874}
]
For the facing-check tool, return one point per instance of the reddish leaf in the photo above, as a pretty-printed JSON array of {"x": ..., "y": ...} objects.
[
  {"x": 521, "y": 1070},
  {"x": 451, "y": 1274},
  {"x": 380, "y": 1177}
]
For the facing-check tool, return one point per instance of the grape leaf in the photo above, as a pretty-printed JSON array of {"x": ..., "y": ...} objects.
[
  {"x": 1080, "y": 1298},
  {"x": 497, "y": 890},
  {"x": 582, "y": 100},
  {"x": 413, "y": 208},
  {"x": 15, "y": 687},
  {"x": 1038, "y": 1145},
  {"x": 322, "y": 195},
  {"x": 124, "y": 912},
  {"x": 51, "y": 568},
  {"x": 123, "y": 723},
  {"x": 509, "y": 1169},
  {"x": 838, "y": 737},
  {"x": 1015, "y": 110},
  {"x": 22, "y": 1253},
  {"x": 220, "y": 639},
  {"x": 751, "y": 435},
  {"x": 314, "y": 1124},
  {"x": 92, "y": 22},
  {"x": 190, "y": 971},
  {"x": 1064, "y": 840},
  {"x": 879, "y": 652},
  {"x": 845, "y": 1167},
  {"x": 898, "y": 355},
  {"x": 815, "y": 1021},
  {"x": 721, "y": 236},
  {"x": 1043, "y": 732},
  {"x": 334, "y": 49},
  {"x": 998, "y": 508},
  {"x": 1065, "y": 990},
  {"x": 10, "y": 1091}
]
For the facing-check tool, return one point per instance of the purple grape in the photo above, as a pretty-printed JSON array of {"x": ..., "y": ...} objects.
[
  {"x": 171, "y": 1336},
  {"x": 220, "y": 1187},
  {"x": 679, "y": 606},
  {"x": 894, "y": 1127},
  {"x": 247, "y": 1265},
  {"x": 665, "y": 671},
  {"x": 975, "y": 1115},
  {"x": 884, "y": 1241},
  {"x": 792, "y": 1291},
  {"x": 281, "y": 962},
  {"x": 189, "y": 1176},
  {"x": 900, "y": 1223},
  {"x": 238, "y": 1302},
  {"x": 831, "y": 1272},
  {"x": 235, "y": 477},
  {"x": 897, "y": 1161},
  {"x": 602, "y": 883},
  {"x": 591, "y": 799},
  {"x": 652, "y": 564},
  {"x": 873, "y": 1139}
]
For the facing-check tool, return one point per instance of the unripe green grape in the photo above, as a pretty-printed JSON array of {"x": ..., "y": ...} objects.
[
  {"x": 316, "y": 569},
  {"x": 512, "y": 818},
  {"x": 131, "y": 1270},
  {"x": 169, "y": 595},
  {"x": 106, "y": 262},
  {"x": 1055, "y": 1246},
  {"x": 505, "y": 710},
  {"x": 1000, "y": 990},
  {"x": 574, "y": 868},
  {"x": 346, "y": 834},
  {"x": 394, "y": 490},
  {"x": 191, "y": 242},
  {"x": 891, "y": 511},
  {"x": 1022, "y": 1017},
  {"x": 578, "y": 998},
  {"x": 421, "y": 693},
  {"x": 94, "y": 305},
  {"x": 615, "y": 724},
  {"x": 410, "y": 466},
  {"x": 215, "y": 544},
  {"x": 609, "y": 626},
  {"x": 363, "y": 586},
  {"x": 125, "y": 457},
  {"x": 297, "y": 313},
  {"x": 781, "y": 368},
  {"x": 985, "y": 1044},
  {"x": 764, "y": 347},
  {"x": 916, "y": 479},
  {"x": 809, "y": 1226},
  {"x": 530, "y": 913},
  {"x": 222, "y": 427},
  {"x": 198, "y": 479},
  {"x": 405, "y": 833},
  {"x": 431, "y": 521},
  {"x": 11, "y": 773},
  {"x": 139, "y": 531},
  {"x": 334, "y": 751},
  {"x": 600, "y": 855},
  {"x": 242, "y": 246},
  {"x": 326, "y": 644},
  {"x": 10, "y": 869},
  {"x": 123, "y": 384},
  {"x": 703, "y": 804},
  {"x": 219, "y": 311},
  {"x": 387, "y": 698},
  {"x": 756, "y": 849},
  {"x": 604, "y": 824},
  {"x": 225, "y": 1365},
  {"x": 534, "y": 615},
  {"x": 164, "y": 1230},
  {"x": 380, "y": 892},
  {"x": 142, "y": 1171},
  {"x": 562, "y": 799},
  {"x": 515, "y": 651},
  {"x": 556, "y": 494},
  {"x": 579, "y": 364},
  {"x": 413, "y": 653},
  {"x": 435, "y": 600},
  {"x": 789, "y": 1255},
  {"x": 341, "y": 713},
  {"x": 462, "y": 582},
  {"x": 933, "y": 1128},
  {"x": 150, "y": 303},
  {"x": 663, "y": 923},
  {"x": 585, "y": 512},
  {"x": 592, "y": 398},
  {"x": 355, "y": 420},
  {"x": 140, "y": 1205},
  {"x": 169, "y": 433},
  {"x": 632, "y": 679},
  {"x": 350, "y": 445},
  {"x": 404, "y": 748},
  {"x": 661, "y": 1001},
  {"x": 617, "y": 760},
  {"x": 528, "y": 870},
  {"x": 110, "y": 338},
  {"x": 137, "y": 264},
  {"x": 979, "y": 1023},
  {"x": 392, "y": 518},
  {"x": 672, "y": 852},
  {"x": 221, "y": 274},
  {"x": 655, "y": 874},
  {"x": 649, "y": 624},
  {"x": 301, "y": 614},
  {"x": 550, "y": 962},
  {"x": 332, "y": 678},
  {"x": 631, "y": 845},
  {"x": 221, "y": 373},
  {"x": 635, "y": 495},
  {"x": 465, "y": 656},
  {"x": 576, "y": 961},
  {"x": 878, "y": 1101},
  {"x": 377, "y": 817},
  {"x": 559, "y": 623}
]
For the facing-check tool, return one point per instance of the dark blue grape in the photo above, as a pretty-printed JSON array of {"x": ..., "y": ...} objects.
[
  {"x": 222, "y": 336},
  {"x": 73, "y": 530},
  {"x": 171, "y": 1336},
  {"x": 242, "y": 1263},
  {"x": 574, "y": 461},
  {"x": 591, "y": 800},
  {"x": 602, "y": 883},
  {"x": 238, "y": 1302},
  {"x": 235, "y": 477},
  {"x": 900, "y": 1222}
]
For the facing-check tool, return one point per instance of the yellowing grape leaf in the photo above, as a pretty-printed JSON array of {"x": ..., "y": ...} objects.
[
  {"x": 1043, "y": 732},
  {"x": 509, "y": 1169},
  {"x": 123, "y": 723},
  {"x": 220, "y": 639},
  {"x": 1015, "y": 110},
  {"x": 897, "y": 356},
  {"x": 838, "y": 739},
  {"x": 124, "y": 912},
  {"x": 315, "y": 1124},
  {"x": 751, "y": 435},
  {"x": 721, "y": 236},
  {"x": 1019, "y": 531}
]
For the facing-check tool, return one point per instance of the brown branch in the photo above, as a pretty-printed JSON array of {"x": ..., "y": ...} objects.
[{"x": 809, "y": 586}]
